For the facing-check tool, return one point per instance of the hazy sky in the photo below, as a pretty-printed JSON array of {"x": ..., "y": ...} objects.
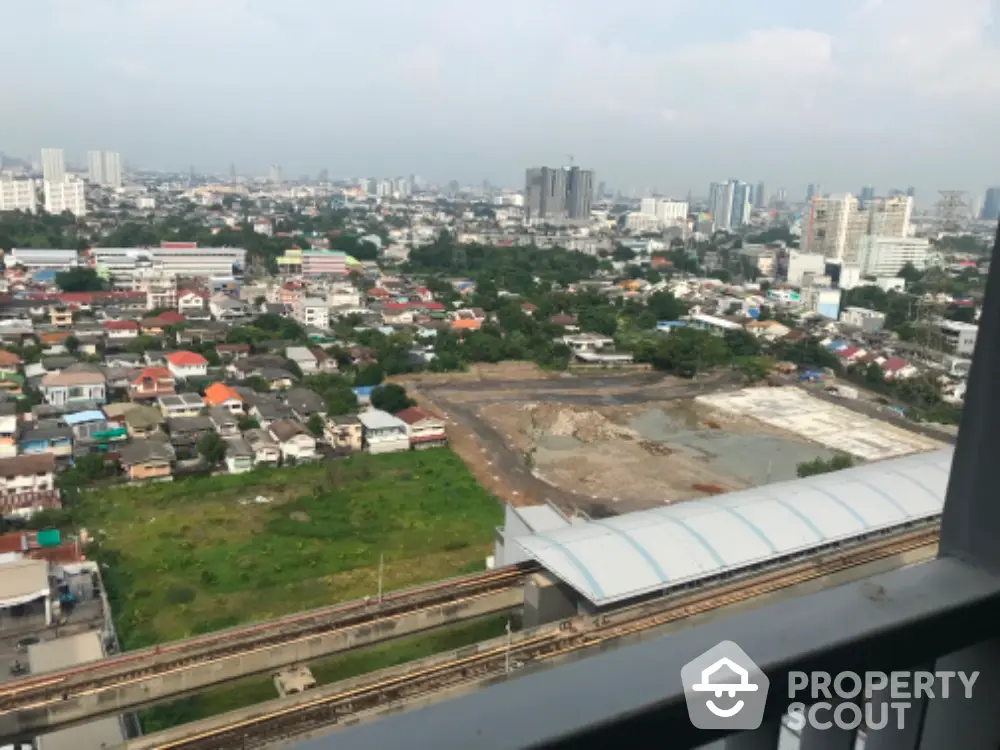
[{"x": 664, "y": 93}]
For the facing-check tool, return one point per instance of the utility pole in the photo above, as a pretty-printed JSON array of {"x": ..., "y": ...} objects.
[
  {"x": 381, "y": 561},
  {"x": 506, "y": 657}
]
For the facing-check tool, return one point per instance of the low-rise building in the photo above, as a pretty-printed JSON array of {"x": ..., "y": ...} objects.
[
  {"x": 74, "y": 388},
  {"x": 294, "y": 440},
  {"x": 303, "y": 357},
  {"x": 51, "y": 436},
  {"x": 304, "y": 403},
  {"x": 869, "y": 321},
  {"x": 186, "y": 364},
  {"x": 423, "y": 430},
  {"x": 226, "y": 423},
  {"x": 24, "y": 474},
  {"x": 239, "y": 455},
  {"x": 147, "y": 460},
  {"x": 383, "y": 433},
  {"x": 312, "y": 311},
  {"x": 344, "y": 432},
  {"x": 151, "y": 383},
  {"x": 265, "y": 450},
  {"x": 225, "y": 397},
  {"x": 143, "y": 422},
  {"x": 181, "y": 405},
  {"x": 960, "y": 338}
]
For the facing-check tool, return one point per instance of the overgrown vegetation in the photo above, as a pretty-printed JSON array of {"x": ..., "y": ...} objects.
[
  {"x": 196, "y": 555},
  {"x": 821, "y": 466}
]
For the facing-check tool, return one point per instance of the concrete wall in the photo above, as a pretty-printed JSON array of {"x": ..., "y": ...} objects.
[{"x": 170, "y": 685}]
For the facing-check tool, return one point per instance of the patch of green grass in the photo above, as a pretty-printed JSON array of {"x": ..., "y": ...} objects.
[
  {"x": 200, "y": 554},
  {"x": 255, "y": 690}
]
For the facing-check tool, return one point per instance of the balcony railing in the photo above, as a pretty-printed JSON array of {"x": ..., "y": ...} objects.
[{"x": 942, "y": 615}]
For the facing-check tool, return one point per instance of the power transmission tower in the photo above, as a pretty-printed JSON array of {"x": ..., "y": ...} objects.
[{"x": 951, "y": 208}]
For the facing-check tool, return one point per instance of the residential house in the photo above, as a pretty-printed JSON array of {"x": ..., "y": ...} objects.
[
  {"x": 304, "y": 403},
  {"x": 265, "y": 450},
  {"x": 769, "y": 330},
  {"x": 8, "y": 429},
  {"x": 277, "y": 378},
  {"x": 239, "y": 455},
  {"x": 143, "y": 422},
  {"x": 11, "y": 384},
  {"x": 311, "y": 311},
  {"x": 227, "y": 309},
  {"x": 566, "y": 322},
  {"x": 53, "y": 343},
  {"x": 225, "y": 422},
  {"x": 324, "y": 361},
  {"x": 294, "y": 440},
  {"x": 74, "y": 388},
  {"x": 61, "y": 316},
  {"x": 58, "y": 363},
  {"x": 123, "y": 359},
  {"x": 423, "y": 430},
  {"x": 185, "y": 432},
  {"x": 46, "y": 436},
  {"x": 229, "y": 352},
  {"x": 242, "y": 368},
  {"x": 206, "y": 331},
  {"x": 383, "y": 433},
  {"x": 184, "y": 364},
  {"x": 157, "y": 325},
  {"x": 151, "y": 383},
  {"x": 10, "y": 363},
  {"x": 93, "y": 432},
  {"x": 588, "y": 342},
  {"x": 181, "y": 405},
  {"x": 147, "y": 460},
  {"x": 20, "y": 475},
  {"x": 303, "y": 357},
  {"x": 88, "y": 342},
  {"x": 895, "y": 368},
  {"x": 192, "y": 300},
  {"x": 266, "y": 411},
  {"x": 120, "y": 330},
  {"x": 118, "y": 379},
  {"x": 343, "y": 432},
  {"x": 225, "y": 397}
]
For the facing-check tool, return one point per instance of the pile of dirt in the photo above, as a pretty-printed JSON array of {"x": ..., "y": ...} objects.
[
  {"x": 585, "y": 425},
  {"x": 654, "y": 448}
]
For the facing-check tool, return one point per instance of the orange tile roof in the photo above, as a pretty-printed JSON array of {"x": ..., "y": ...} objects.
[
  {"x": 185, "y": 359},
  {"x": 219, "y": 393},
  {"x": 467, "y": 325}
]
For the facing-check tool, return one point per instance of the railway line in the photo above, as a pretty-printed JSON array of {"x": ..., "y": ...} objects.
[
  {"x": 536, "y": 648},
  {"x": 110, "y": 674}
]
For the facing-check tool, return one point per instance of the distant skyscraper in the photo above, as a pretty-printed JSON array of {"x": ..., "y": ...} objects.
[
  {"x": 274, "y": 174},
  {"x": 232, "y": 172},
  {"x": 53, "y": 164},
  {"x": 601, "y": 190},
  {"x": 112, "y": 169},
  {"x": 780, "y": 196},
  {"x": 742, "y": 196},
  {"x": 67, "y": 195},
  {"x": 324, "y": 175},
  {"x": 812, "y": 191},
  {"x": 867, "y": 193},
  {"x": 720, "y": 204},
  {"x": 760, "y": 196},
  {"x": 557, "y": 194},
  {"x": 991, "y": 205},
  {"x": 95, "y": 167},
  {"x": 911, "y": 192}
]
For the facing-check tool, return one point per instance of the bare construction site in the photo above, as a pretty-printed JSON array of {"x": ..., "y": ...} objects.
[{"x": 614, "y": 453}]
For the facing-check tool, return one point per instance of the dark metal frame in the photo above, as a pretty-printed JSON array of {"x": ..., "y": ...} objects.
[{"x": 946, "y": 611}]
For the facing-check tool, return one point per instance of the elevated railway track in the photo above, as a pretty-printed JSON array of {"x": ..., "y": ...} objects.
[
  {"x": 433, "y": 678},
  {"x": 148, "y": 675}
]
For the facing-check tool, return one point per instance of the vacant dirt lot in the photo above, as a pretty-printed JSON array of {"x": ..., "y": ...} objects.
[{"x": 646, "y": 455}]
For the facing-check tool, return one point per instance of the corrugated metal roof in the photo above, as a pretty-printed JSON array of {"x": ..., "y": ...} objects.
[{"x": 637, "y": 553}]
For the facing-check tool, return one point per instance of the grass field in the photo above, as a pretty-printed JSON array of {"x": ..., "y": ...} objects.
[
  {"x": 200, "y": 554},
  {"x": 259, "y": 689}
]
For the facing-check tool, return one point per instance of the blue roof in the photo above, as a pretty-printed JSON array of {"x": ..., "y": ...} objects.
[
  {"x": 93, "y": 415},
  {"x": 671, "y": 323},
  {"x": 364, "y": 391}
]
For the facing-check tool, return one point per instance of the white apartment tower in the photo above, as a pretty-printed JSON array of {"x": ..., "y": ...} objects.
[
  {"x": 67, "y": 195},
  {"x": 53, "y": 164},
  {"x": 105, "y": 168},
  {"x": 835, "y": 225},
  {"x": 18, "y": 195}
]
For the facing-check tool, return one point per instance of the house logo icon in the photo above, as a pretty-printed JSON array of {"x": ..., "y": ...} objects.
[{"x": 724, "y": 689}]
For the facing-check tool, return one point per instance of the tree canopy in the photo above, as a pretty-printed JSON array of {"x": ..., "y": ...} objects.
[
  {"x": 80, "y": 280},
  {"x": 391, "y": 398}
]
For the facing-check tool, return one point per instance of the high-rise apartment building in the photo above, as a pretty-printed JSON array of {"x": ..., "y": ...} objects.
[
  {"x": 720, "y": 204},
  {"x": 991, "y": 205},
  {"x": 668, "y": 212},
  {"x": 112, "y": 169},
  {"x": 104, "y": 168},
  {"x": 558, "y": 194},
  {"x": 53, "y": 164},
  {"x": 835, "y": 226},
  {"x": 867, "y": 193},
  {"x": 95, "y": 167},
  {"x": 812, "y": 191},
  {"x": 760, "y": 196},
  {"x": 18, "y": 195},
  {"x": 742, "y": 197},
  {"x": 274, "y": 174},
  {"x": 67, "y": 195},
  {"x": 885, "y": 256}
]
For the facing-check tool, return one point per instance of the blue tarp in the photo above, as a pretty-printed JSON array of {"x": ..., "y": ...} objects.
[
  {"x": 80, "y": 417},
  {"x": 364, "y": 391}
]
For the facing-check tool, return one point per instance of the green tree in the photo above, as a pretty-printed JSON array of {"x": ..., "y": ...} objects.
[
  {"x": 80, "y": 280},
  {"x": 391, "y": 398},
  {"x": 754, "y": 369},
  {"x": 72, "y": 344},
  {"x": 212, "y": 448},
  {"x": 315, "y": 424},
  {"x": 742, "y": 343},
  {"x": 370, "y": 374},
  {"x": 248, "y": 423},
  {"x": 665, "y": 306},
  {"x": 910, "y": 273}
]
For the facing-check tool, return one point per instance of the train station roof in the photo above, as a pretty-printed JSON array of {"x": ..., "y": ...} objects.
[{"x": 626, "y": 556}]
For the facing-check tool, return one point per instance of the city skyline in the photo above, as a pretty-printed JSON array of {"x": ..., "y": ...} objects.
[{"x": 643, "y": 95}]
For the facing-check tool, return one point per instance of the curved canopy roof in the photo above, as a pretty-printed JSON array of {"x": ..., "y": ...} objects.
[{"x": 630, "y": 555}]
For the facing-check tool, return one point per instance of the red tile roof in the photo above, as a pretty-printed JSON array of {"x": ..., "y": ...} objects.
[
  {"x": 893, "y": 364},
  {"x": 220, "y": 393},
  {"x": 9, "y": 359},
  {"x": 185, "y": 359},
  {"x": 414, "y": 414},
  {"x": 153, "y": 373},
  {"x": 120, "y": 325}
]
